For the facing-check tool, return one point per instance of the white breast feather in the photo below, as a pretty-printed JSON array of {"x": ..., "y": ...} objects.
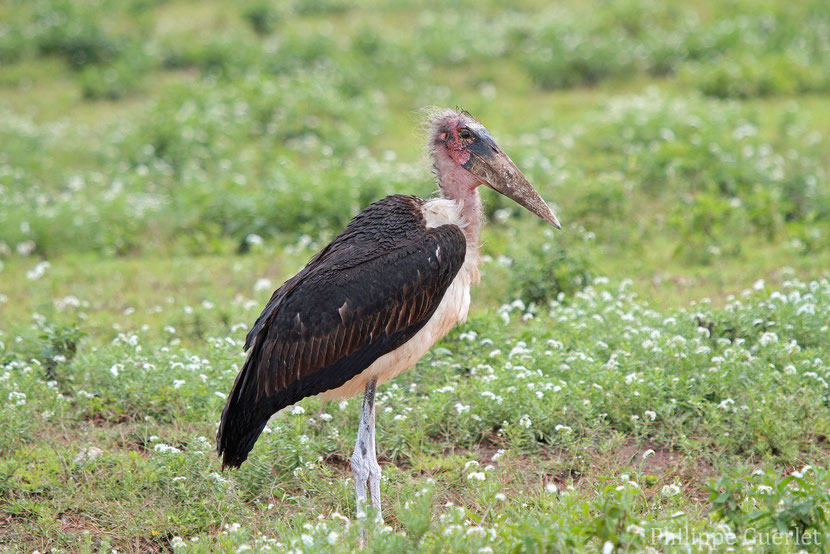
[{"x": 442, "y": 211}]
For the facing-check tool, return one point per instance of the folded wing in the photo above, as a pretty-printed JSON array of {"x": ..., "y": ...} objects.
[{"x": 369, "y": 291}]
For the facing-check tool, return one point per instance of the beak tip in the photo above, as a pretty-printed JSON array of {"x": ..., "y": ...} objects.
[{"x": 553, "y": 220}]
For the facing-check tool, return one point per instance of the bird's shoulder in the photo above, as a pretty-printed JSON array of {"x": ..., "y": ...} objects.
[
  {"x": 388, "y": 249},
  {"x": 385, "y": 228},
  {"x": 389, "y": 252}
]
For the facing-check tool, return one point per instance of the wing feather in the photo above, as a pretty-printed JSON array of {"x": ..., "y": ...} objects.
[
  {"x": 290, "y": 357},
  {"x": 362, "y": 296},
  {"x": 339, "y": 339}
]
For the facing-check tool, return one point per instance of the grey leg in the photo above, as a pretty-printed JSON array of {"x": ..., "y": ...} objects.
[{"x": 365, "y": 466}]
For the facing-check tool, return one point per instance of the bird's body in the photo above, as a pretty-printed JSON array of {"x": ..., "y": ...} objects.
[
  {"x": 371, "y": 303},
  {"x": 368, "y": 306},
  {"x": 452, "y": 308}
]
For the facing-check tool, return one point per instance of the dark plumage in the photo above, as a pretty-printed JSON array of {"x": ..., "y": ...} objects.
[{"x": 369, "y": 291}]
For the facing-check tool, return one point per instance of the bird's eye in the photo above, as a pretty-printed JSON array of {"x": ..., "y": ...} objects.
[{"x": 465, "y": 134}]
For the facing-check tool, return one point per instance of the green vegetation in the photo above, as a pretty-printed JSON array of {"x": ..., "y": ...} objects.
[{"x": 655, "y": 376}]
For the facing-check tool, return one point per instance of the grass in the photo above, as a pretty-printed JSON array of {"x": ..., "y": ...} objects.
[{"x": 652, "y": 377}]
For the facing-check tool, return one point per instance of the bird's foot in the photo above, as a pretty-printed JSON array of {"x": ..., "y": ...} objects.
[
  {"x": 374, "y": 489},
  {"x": 367, "y": 472}
]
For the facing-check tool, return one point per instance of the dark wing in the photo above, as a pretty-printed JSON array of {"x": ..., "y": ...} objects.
[{"x": 369, "y": 291}]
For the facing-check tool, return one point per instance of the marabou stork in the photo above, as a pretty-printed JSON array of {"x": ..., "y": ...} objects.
[{"x": 372, "y": 302}]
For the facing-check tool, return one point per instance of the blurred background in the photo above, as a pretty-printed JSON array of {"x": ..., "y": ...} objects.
[{"x": 683, "y": 143}]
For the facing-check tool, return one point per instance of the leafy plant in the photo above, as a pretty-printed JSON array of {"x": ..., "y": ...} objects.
[{"x": 546, "y": 269}]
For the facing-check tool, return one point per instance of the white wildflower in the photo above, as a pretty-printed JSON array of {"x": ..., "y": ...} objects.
[
  {"x": 252, "y": 239},
  {"x": 468, "y": 335},
  {"x": 26, "y": 247},
  {"x": 166, "y": 449},
  {"x": 768, "y": 338},
  {"x": 670, "y": 490},
  {"x": 17, "y": 398},
  {"x": 262, "y": 284},
  {"x": 87, "y": 454},
  {"x": 38, "y": 271}
]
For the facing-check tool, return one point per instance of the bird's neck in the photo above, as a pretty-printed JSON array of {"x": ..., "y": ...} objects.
[
  {"x": 465, "y": 194},
  {"x": 459, "y": 185}
]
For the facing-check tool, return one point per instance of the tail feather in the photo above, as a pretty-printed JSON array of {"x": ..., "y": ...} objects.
[
  {"x": 243, "y": 419},
  {"x": 247, "y": 410}
]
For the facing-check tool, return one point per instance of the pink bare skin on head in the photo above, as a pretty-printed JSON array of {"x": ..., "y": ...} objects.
[
  {"x": 449, "y": 152},
  {"x": 457, "y": 147},
  {"x": 464, "y": 156}
]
